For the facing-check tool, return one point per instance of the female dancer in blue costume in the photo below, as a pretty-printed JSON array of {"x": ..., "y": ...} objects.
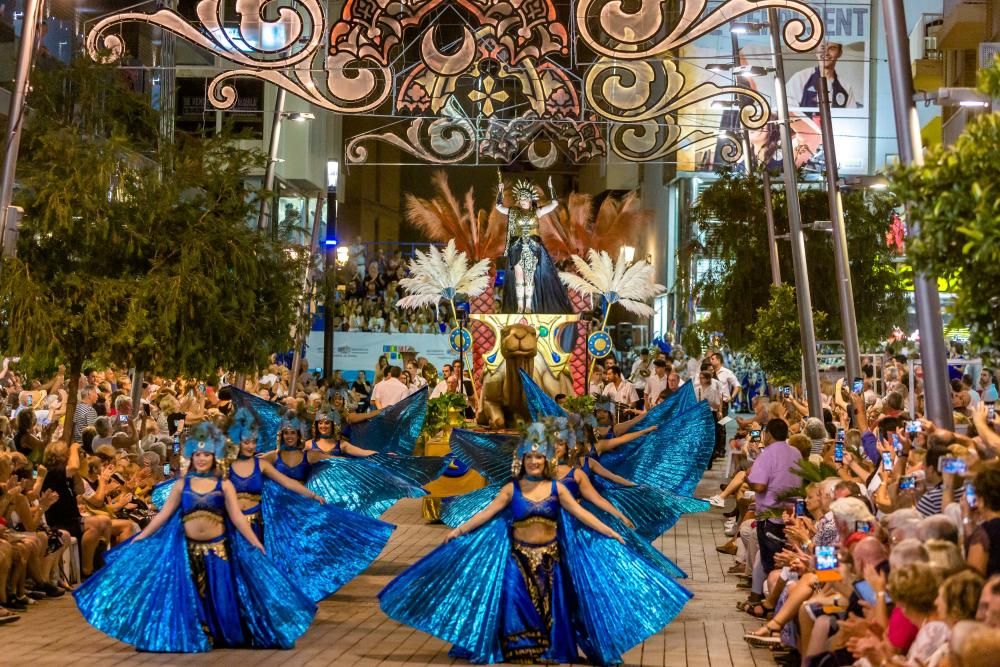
[
  {"x": 364, "y": 480},
  {"x": 213, "y": 585},
  {"x": 322, "y": 547},
  {"x": 613, "y": 435},
  {"x": 534, "y": 578}
]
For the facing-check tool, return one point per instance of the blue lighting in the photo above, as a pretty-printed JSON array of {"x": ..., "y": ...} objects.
[{"x": 330, "y": 242}]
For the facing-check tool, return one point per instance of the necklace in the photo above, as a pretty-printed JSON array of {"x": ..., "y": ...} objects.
[
  {"x": 195, "y": 473},
  {"x": 534, "y": 478}
]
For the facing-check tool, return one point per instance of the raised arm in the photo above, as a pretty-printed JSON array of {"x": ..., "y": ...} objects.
[
  {"x": 588, "y": 492},
  {"x": 356, "y": 417},
  {"x": 495, "y": 507},
  {"x": 607, "y": 474},
  {"x": 499, "y": 205},
  {"x": 236, "y": 515},
  {"x": 623, "y": 427},
  {"x": 354, "y": 450},
  {"x": 272, "y": 473},
  {"x": 586, "y": 518},
  {"x": 608, "y": 445}
]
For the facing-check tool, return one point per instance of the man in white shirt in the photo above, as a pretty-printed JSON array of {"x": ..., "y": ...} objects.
[
  {"x": 640, "y": 371},
  {"x": 417, "y": 381},
  {"x": 390, "y": 391},
  {"x": 656, "y": 383},
  {"x": 727, "y": 378},
  {"x": 618, "y": 389}
]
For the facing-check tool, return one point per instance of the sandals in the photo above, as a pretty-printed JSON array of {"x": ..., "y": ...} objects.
[
  {"x": 758, "y": 610},
  {"x": 770, "y": 637},
  {"x": 7, "y": 616}
]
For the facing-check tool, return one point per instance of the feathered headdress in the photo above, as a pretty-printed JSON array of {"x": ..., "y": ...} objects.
[
  {"x": 537, "y": 438},
  {"x": 295, "y": 420},
  {"x": 205, "y": 437},
  {"x": 326, "y": 412},
  {"x": 604, "y": 403},
  {"x": 564, "y": 431},
  {"x": 243, "y": 425},
  {"x": 524, "y": 189}
]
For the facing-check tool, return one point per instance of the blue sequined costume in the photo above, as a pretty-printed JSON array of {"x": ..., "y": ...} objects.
[
  {"x": 321, "y": 547},
  {"x": 370, "y": 485},
  {"x": 497, "y": 599},
  {"x": 194, "y": 595}
]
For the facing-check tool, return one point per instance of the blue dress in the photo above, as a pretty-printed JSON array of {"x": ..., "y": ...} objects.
[
  {"x": 320, "y": 547},
  {"x": 468, "y": 592},
  {"x": 370, "y": 485},
  {"x": 195, "y": 595}
]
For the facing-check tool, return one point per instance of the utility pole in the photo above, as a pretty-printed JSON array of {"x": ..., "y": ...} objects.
[
  {"x": 15, "y": 113},
  {"x": 802, "y": 296},
  {"x": 842, "y": 265},
  {"x": 933, "y": 357},
  {"x": 264, "y": 218},
  {"x": 304, "y": 326}
]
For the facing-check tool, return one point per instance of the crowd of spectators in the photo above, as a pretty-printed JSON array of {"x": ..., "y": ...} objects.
[{"x": 871, "y": 536}]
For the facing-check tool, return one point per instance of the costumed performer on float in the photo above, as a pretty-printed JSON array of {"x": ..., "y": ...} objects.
[
  {"x": 208, "y": 582},
  {"x": 531, "y": 284},
  {"x": 535, "y": 577},
  {"x": 320, "y": 546}
]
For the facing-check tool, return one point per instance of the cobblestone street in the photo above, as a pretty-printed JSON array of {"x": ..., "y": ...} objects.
[{"x": 351, "y": 630}]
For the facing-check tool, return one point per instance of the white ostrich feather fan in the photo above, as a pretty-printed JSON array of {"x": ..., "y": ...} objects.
[
  {"x": 441, "y": 274},
  {"x": 617, "y": 281}
]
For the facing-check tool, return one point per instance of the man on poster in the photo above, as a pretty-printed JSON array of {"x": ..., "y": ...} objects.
[{"x": 803, "y": 86}]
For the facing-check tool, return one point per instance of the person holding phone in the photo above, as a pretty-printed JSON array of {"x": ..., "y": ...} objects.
[{"x": 983, "y": 554}]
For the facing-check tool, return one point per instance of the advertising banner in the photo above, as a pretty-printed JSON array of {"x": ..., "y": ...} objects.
[
  {"x": 355, "y": 351},
  {"x": 845, "y": 53}
]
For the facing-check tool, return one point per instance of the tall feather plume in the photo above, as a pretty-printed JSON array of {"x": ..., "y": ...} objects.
[
  {"x": 617, "y": 281},
  {"x": 565, "y": 231},
  {"x": 618, "y": 221},
  {"x": 438, "y": 274},
  {"x": 476, "y": 232}
]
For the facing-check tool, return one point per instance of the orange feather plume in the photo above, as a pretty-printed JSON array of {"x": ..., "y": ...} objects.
[{"x": 477, "y": 233}]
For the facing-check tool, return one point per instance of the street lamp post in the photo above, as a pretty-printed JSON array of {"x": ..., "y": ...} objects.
[
  {"x": 845, "y": 292},
  {"x": 304, "y": 326},
  {"x": 15, "y": 113},
  {"x": 802, "y": 296},
  {"x": 937, "y": 393},
  {"x": 264, "y": 217},
  {"x": 772, "y": 240}
]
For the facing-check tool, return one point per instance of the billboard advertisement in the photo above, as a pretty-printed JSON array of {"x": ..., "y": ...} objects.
[{"x": 845, "y": 57}]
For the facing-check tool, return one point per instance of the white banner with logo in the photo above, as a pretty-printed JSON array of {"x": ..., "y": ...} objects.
[{"x": 355, "y": 351}]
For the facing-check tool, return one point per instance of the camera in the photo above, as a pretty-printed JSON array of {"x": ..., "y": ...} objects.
[
  {"x": 887, "y": 460},
  {"x": 800, "y": 507},
  {"x": 907, "y": 482},
  {"x": 951, "y": 464},
  {"x": 755, "y": 435},
  {"x": 913, "y": 426},
  {"x": 838, "y": 452},
  {"x": 857, "y": 386}
]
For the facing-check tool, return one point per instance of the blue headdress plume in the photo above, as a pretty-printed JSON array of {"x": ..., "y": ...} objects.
[
  {"x": 537, "y": 439},
  {"x": 327, "y": 412},
  {"x": 205, "y": 437},
  {"x": 244, "y": 426},
  {"x": 563, "y": 429},
  {"x": 604, "y": 403},
  {"x": 296, "y": 422}
]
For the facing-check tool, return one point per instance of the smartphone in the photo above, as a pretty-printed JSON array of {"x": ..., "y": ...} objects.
[
  {"x": 840, "y": 435},
  {"x": 123, "y": 419},
  {"x": 897, "y": 443},
  {"x": 907, "y": 482},
  {"x": 991, "y": 411},
  {"x": 867, "y": 593},
  {"x": 177, "y": 444},
  {"x": 857, "y": 386},
  {"x": 166, "y": 470},
  {"x": 862, "y": 527},
  {"x": 788, "y": 392},
  {"x": 887, "y": 460},
  {"x": 953, "y": 465},
  {"x": 29, "y": 400},
  {"x": 838, "y": 452},
  {"x": 913, "y": 426},
  {"x": 970, "y": 495},
  {"x": 755, "y": 435},
  {"x": 201, "y": 387},
  {"x": 826, "y": 558},
  {"x": 800, "y": 507}
]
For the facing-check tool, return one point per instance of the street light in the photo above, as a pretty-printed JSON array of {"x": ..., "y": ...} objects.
[
  {"x": 746, "y": 71},
  {"x": 629, "y": 253},
  {"x": 298, "y": 116},
  {"x": 864, "y": 183},
  {"x": 952, "y": 97}
]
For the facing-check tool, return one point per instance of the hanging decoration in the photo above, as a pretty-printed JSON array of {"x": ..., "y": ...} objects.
[{"x": 480, "y": 80}]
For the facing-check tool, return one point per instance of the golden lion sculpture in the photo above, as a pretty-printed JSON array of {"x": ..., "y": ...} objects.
[{"x": 503, "y": 402}]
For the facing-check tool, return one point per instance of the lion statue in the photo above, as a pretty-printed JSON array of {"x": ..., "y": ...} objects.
[{"x": 503, "y": 402}]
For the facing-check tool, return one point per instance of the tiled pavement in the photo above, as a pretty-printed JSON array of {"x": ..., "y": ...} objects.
[{"x": 351, "y": 630}]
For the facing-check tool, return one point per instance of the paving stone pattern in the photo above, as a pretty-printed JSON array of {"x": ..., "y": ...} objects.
[{"x": 351, "y": 630}]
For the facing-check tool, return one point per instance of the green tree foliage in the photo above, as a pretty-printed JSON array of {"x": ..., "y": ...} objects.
[
  {"x": 775, "y": 336},
  {"x": 955, "y": 198},
  {"x": 731, "y": 210},
  {"x": 135, "y": 248}
]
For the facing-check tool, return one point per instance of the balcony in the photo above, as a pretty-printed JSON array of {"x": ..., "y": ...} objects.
[{"x": 964, "y": 24}]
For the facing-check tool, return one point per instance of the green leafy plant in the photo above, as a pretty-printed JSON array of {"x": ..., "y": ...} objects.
[
  {"x": 439, "y": 409},
  {"x": 955, "y": 198},
  {"x": 731, "y": 213},
  {"x": 775, "y": 336}
]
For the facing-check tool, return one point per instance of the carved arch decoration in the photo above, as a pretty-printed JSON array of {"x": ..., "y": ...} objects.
[{"x": 482, "y": 80}]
